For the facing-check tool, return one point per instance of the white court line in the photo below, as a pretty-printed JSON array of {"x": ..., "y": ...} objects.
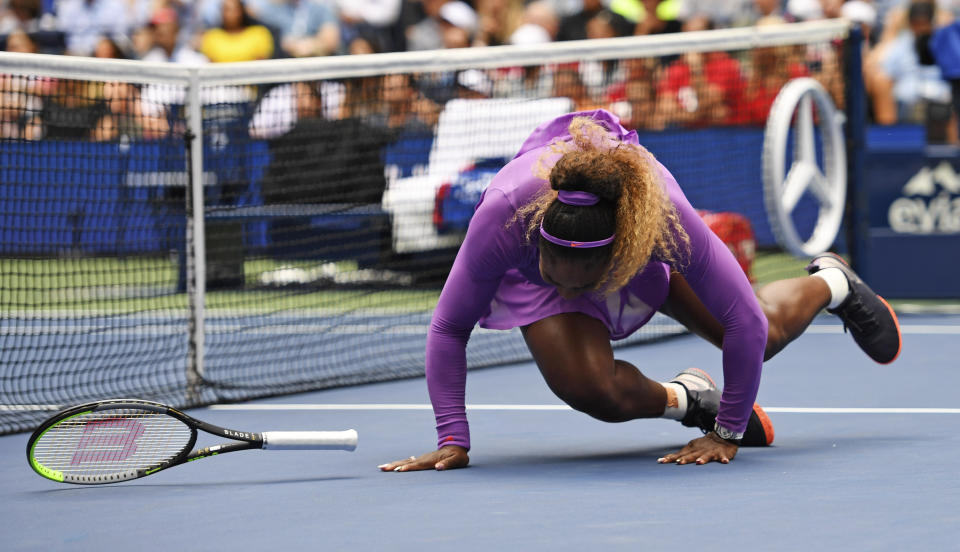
[
  {"x": 554, "y": 407},
  {"x": 499, "y": 407},
  {"x": 920, "y": 329}
]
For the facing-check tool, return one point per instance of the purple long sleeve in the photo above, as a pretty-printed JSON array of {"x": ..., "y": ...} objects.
[
  {"x": 715, "y": 276},
  {"x": 488, "y": 251},
  {"x": 495, "y": 280}
]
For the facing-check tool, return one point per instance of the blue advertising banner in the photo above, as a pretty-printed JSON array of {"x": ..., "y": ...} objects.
[{"x": 912, "y": 246}]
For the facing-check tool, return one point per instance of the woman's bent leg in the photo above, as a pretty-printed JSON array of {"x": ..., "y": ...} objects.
[
  {"x": 574, "y": 355},
  {"x": 789, "y": 305}
]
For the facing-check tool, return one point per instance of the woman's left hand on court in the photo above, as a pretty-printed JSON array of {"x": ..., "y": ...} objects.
[
  {"x": 709, "y": 448},
  {"x": 446, "y": 458}
]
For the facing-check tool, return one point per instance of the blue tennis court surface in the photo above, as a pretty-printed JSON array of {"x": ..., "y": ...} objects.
[{"x": 850, "y": 469}]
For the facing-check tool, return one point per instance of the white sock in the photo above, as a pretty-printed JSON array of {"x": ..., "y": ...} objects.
[
  {"x": 676, "y": 401},
  {"x": 837, "y": 281}
]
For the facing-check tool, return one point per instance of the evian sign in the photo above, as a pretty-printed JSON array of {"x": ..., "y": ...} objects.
[{"x": 930, "y": 203}]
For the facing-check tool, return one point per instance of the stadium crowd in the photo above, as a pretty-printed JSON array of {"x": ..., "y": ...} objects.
[{"x": 907, "y": 73}]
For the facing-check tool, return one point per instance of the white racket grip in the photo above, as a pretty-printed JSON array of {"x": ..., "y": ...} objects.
[{"x": 310, "y": 440}]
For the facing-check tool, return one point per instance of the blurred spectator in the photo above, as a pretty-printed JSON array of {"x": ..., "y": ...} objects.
[
  {"x": 20, "y": 106},
  {"x": 567, "y": 82},
  {"x": 723, "y": 13},
  {"x": 127, "y": 117},
  {"x": 635, "y": 100},
  {"x": 325, "y": 161},
  {"x": 110, "y": 48},
  {"x": 574, "y": 26},
  {"x": 770, "y": 68},
  {"x": 705, "y": 89},
  {"x": 946, "y": 49},
  {"x": 239, "y": 37},
  {"x": 71, "y": 109},
  {"x": 538, "y": 14},
  {"x": 380, "y": 17},
  {"x": 306, "y": 27},
  {"x": 426, "y": 34},
  {"x": 85, "y": 21},
  {"x": 497, "y": 19},
  {"x": 458, "y": 24},
  {"x": 764, "y": 9},
  {"x": 21, "y": 42},
  {"x": 448, "y": 24},
  {"x": 474, "y": 84},
  {"x": 26, "y": 15},
  {"x": 165, "y": 28},
  {"x": 804, "y": 10},
  {"x": 906, "y": 83},
  {"x": 658, "y": 17}
]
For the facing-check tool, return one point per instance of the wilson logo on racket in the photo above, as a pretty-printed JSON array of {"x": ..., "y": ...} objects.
[
  {"x": 110, "y": 440},
  {"x": 120, "y": 440}
]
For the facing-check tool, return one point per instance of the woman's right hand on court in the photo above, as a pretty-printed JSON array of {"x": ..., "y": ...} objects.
[{"x": 447, "y": 458}]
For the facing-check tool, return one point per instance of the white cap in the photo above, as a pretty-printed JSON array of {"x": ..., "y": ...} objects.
[
  {"x": 528, "y": 33},
  {"x": 475, "y": 80},
  {"x": 459, "y": 14},
  {"x": 805, "y": 9},
  {"x": 859, "y": 11}
]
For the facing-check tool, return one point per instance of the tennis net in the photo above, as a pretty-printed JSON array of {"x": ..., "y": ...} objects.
[{"x": 217, "y": 233}]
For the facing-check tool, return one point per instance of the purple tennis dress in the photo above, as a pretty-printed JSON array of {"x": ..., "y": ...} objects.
[{"x": 495, "y": 281}]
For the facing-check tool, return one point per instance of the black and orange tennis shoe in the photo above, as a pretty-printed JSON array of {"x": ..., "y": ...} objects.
[
  {"x": 867, "y": 316},
  {"x": 703, "y": 403}
]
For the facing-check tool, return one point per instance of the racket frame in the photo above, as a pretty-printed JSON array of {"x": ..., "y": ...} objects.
[{"x": 241, "y": 440}]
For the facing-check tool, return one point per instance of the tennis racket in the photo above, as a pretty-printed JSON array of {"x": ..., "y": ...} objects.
[{"x": 119, "y": 440}]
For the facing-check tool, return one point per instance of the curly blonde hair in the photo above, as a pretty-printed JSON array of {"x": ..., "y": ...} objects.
[{"x": 633, "y": 203}]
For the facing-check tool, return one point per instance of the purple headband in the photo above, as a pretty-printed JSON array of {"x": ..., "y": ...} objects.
[
  {"x": 581, "y": 199},
  {"x": 576, "y": 244}
]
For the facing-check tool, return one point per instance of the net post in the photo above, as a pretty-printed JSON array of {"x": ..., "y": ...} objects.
[
  {"x": 196, "y": 241},
  {"x": 857, "y": 196}
]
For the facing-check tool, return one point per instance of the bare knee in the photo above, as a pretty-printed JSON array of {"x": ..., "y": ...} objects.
[
  {"x": 777, "y": 337},
  {"x": 597, "y": 399}
]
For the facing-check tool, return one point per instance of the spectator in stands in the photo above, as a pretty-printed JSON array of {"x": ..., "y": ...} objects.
[
  {"x": 165, "y": 28},
  {"x": 574, "y": 26},
  {"x": 377, "y": 17},
  {"x": 906, "y": 84},
  {"x": 20, "y": 14},
  {"x": 497, "y": 19},
  {"x": 20, "y": 42},
  {"x": 239, "y": 38},
  {"x": 20, "y": 105},
  {"x": 769, "y": 70},
  {"x": 723, "y": 13},
  {"x": 764, "y": 9},
  {"x": 325, "y": 160},
  {"x": 110, "y": 48},
  {"x": 540, "y": 14},
  {"x": 703, "y": 89},
  {"x": 946, "y": 49},
  {"x": 635, "y": 99},
  {"x": 458, "y": 24},
  {"x": 71, "y": 109},
  {"x": 567, "y": 82},
  {"x": 127, "y": 117},
  {"x": 85, "y": 21},
  {"x": 658, "y": 17},
  {"x": 445, "y": 24},
  {"x": 306, "y": 27}
]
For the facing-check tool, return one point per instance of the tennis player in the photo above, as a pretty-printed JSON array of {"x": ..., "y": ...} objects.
[{"x": 580, "y": 239}]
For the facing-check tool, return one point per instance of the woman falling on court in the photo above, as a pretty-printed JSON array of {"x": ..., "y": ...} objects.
[{"x": 581, "y": 239}]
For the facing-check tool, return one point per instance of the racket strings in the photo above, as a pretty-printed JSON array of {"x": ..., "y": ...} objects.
[{"x": 100, "y": 443}]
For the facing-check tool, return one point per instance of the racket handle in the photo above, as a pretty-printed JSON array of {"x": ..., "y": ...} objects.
[{"x": 310, "y": 440}]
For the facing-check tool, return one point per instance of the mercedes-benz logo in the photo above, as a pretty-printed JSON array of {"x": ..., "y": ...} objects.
[{"x": 783, "y": 186}]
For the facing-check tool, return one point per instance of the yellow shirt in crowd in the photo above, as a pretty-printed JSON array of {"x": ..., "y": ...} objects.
[{"x": 253, "y": 43}]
